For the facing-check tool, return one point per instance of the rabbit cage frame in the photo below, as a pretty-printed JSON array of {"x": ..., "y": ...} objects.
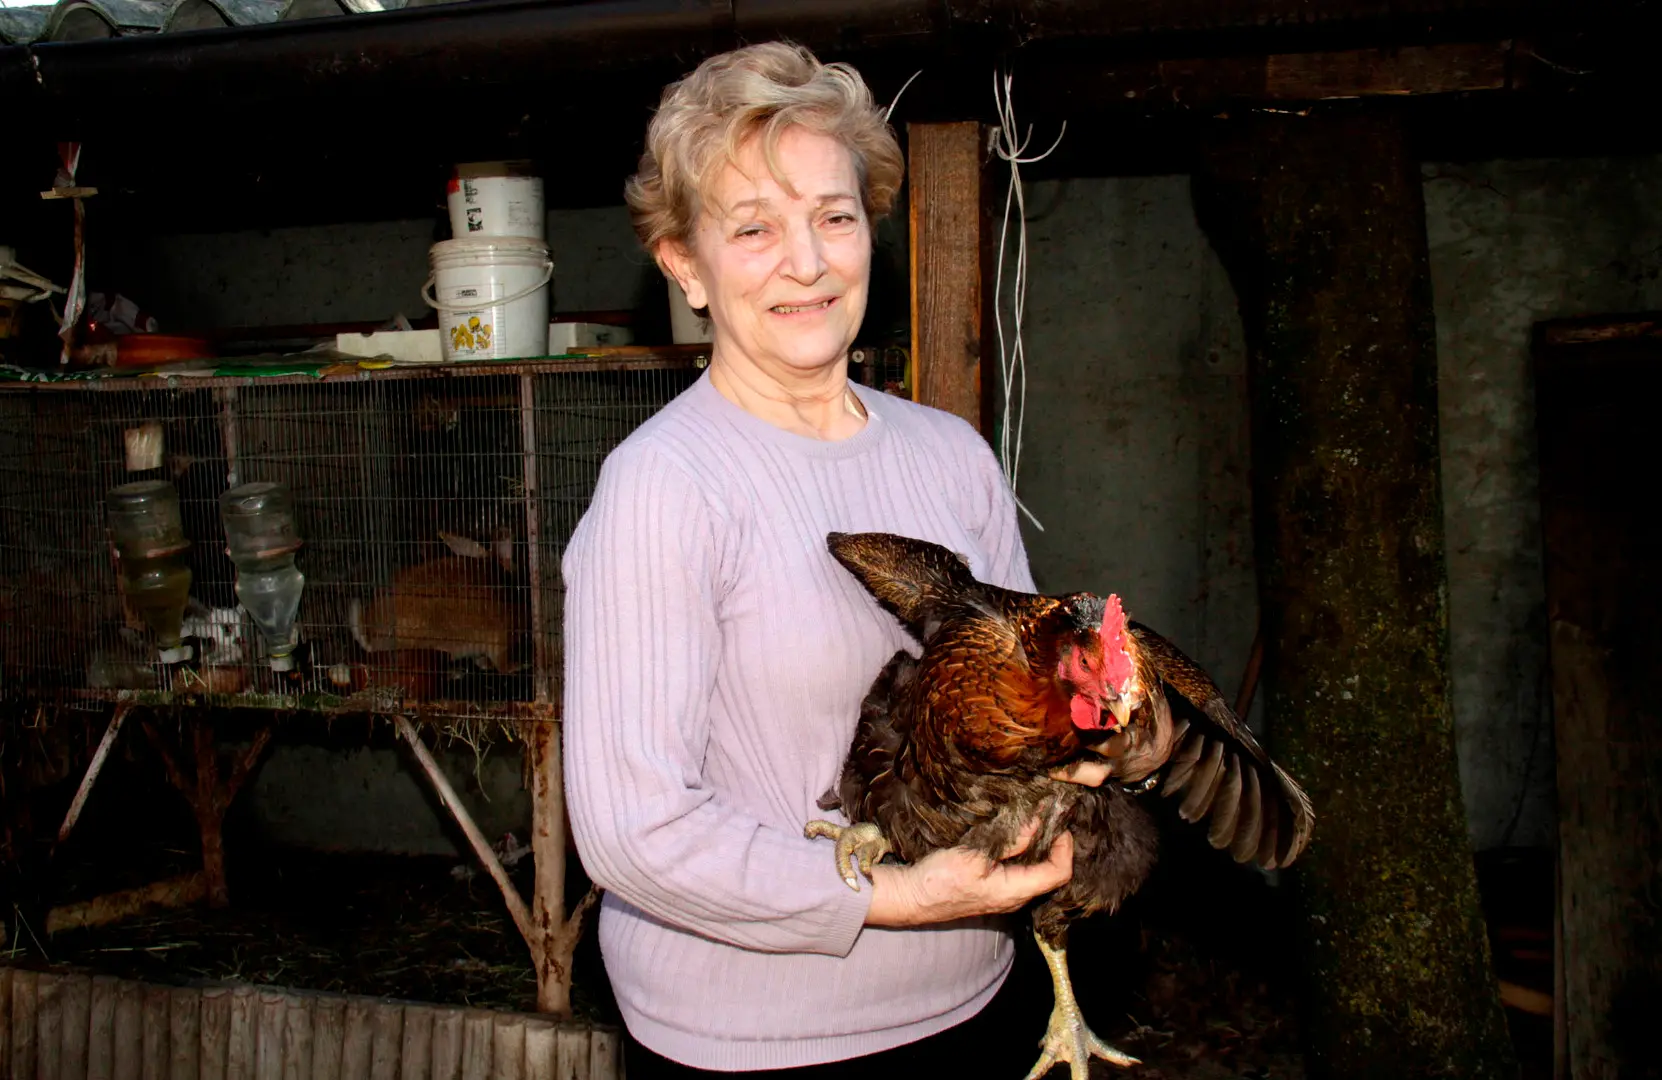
[{"x": 432, "y": 505}]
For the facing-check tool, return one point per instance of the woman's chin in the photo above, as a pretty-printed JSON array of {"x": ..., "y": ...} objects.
[{"x": 812, "y": 361}]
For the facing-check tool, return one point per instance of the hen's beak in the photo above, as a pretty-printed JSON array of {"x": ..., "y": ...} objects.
[{"x": 1120, "y": 707}]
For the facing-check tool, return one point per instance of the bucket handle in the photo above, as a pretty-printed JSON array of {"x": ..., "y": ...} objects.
[{"x": 432, "y": 300}]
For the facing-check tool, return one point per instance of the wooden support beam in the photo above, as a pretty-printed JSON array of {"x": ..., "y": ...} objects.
[
  {"x": 543, "y": 613},
  {"x": 94, "y": 767},
  {"x": 1294, "y": 78},
  {"x": 550, "y": 934},
  {"x": 475, "y": 838},
  {"x": 176, "y": 892},
  {"x": 954, "y": 362},
  {"x": 558, "y": 931},
  {"x": 1603, "y": 547},
  {"x": 210, "y": 814},
  {"x": 209, "y": 797},
  {"x": 1321, "y": 225}
]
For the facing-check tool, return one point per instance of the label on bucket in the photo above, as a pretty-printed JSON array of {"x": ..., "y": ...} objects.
[
  {"x": 471, "y": 335},
  {"x": 484, "y": 328},
  {"x": 497, "y": 206}
]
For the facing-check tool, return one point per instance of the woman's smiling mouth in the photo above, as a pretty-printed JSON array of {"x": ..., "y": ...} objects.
[{"x": 798, "y": 309}]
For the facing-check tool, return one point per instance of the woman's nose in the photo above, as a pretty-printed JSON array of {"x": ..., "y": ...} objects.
[{"x": 804, "y": 256}]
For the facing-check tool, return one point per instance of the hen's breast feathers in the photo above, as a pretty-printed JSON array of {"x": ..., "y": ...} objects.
[{"x": 981, "y": 697}]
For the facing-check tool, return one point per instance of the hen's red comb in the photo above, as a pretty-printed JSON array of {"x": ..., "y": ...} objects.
[{"x": 1116, "y": 660}]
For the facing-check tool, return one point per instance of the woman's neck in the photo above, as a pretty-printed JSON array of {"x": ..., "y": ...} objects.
[{"x": 820, "y": 405}]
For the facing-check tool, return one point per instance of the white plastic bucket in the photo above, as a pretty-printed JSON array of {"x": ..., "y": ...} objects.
[
  {"x": 496, "y": 199},
  {"x": 491, "y": 294}
]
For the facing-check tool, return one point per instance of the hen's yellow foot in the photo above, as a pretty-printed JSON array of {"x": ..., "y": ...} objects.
[
  {"x": 864, "y": 843},
  {"x": 1068, "y": 1040}
]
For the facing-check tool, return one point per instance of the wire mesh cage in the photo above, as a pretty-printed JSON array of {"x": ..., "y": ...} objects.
[{"x": 432, "y": 507}]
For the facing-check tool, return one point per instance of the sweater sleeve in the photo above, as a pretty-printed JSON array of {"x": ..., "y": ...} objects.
[
  {"x": 994, "y": 516},
  {"x": 643, "y": 641}
]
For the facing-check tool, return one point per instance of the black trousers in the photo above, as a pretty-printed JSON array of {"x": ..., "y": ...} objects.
[{"x": 1001, "y": 1042}]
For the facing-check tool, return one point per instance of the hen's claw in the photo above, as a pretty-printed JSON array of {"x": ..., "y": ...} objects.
[
  {"x": 1068, "y": 1039},
  {"x": 864, "y": 842}
]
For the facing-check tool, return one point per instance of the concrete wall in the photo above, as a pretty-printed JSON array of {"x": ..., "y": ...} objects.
[
  {"x": 376, "y": 799},
  {"x": 1513, "y": 243},
  {"x": 1134, "y": 441},
  {"x": 359, "y": 272},
  {"x": 1135, "y": 448}
]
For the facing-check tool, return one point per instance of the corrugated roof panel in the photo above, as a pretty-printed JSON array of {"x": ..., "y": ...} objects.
[
  {"x": 21, "y": 25},
  {"x": 213, "y": 14},
  {"x": 85, "y": 20}
]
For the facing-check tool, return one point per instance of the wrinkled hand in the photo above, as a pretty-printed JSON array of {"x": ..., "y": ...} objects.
[
  {"x": 1091, "y": 773},
  {"x": 958, "y": 883}
]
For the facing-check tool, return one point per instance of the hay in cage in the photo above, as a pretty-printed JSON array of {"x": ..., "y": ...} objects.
[{"x": 434, "y": 506}]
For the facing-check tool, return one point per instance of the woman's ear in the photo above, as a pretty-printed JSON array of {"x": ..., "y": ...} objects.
[{"x": 678, "y": 263}]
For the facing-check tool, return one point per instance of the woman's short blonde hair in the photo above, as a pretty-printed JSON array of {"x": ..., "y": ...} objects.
[{"x": 706, "y": 117}]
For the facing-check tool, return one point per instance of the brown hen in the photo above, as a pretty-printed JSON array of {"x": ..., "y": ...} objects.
[{"x": 957, "y": 746}]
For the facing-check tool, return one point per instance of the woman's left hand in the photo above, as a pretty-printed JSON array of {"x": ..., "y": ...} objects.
[{"x": 1091, "y": 773}]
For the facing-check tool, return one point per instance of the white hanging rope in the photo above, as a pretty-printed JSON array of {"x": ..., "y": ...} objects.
[
  {"x": 1012, "y": 361},
  {"x": 890, "y": 110}
]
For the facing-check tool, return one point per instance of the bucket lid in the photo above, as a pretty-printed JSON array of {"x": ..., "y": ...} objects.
[{"x": 512, "y": 247}]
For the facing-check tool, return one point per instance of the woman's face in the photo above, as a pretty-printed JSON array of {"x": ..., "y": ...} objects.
[{"x": 784, "y": 275}]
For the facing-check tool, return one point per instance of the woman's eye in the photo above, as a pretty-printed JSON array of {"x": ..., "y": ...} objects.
[{"x": 839, "y": 219}]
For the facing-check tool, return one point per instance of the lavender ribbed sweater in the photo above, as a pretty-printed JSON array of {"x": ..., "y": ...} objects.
[{"x": 716, "y": 657}]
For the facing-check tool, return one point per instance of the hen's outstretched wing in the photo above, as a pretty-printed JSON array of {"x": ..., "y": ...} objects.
[{"x": 1257, "y": 812}]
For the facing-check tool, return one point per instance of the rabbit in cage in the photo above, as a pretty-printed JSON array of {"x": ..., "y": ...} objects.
[{"x": 458, "y": 604}]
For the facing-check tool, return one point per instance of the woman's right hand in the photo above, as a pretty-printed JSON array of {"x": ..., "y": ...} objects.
[{"x": 958, "y": 883}]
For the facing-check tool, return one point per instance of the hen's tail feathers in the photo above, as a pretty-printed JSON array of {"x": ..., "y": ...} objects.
[{"x": 912, "y": 578}]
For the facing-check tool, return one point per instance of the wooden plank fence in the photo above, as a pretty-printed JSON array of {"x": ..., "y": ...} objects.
[{"x": 73, "y": 1025}]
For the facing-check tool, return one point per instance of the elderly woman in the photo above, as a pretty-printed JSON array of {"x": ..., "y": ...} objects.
[{"x": 717, "y": 655}]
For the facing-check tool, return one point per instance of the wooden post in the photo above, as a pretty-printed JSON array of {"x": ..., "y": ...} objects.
[
  {"x": 25, "y": 985},
  {"x": 214, "y": 1033},
  {"x": 387, "y": 1041},
  {"x": 127, "y": 1030},
  {"x": 447, "y": 1044},
  {"x": 357, "y": 1039},
  {"x": 559, "y": 932},
  {"x": 549, "y": 932},
  {"x": 94, "y": 767},
  {"x": 509, "y": 1051},
  {"x": 954, "y": 365},
  {"x": 5, "y": 1021},
  {"x": 208, "y": 796},
  {"x": 49, "y": 1025},
  {"x": 210, "y": 815},
  {"x": 77, "y": 1024},
  {"x": 328, "y": 1035},
  {"x": 1597, "y": 384},
  {"x": 415, "y": 1057},
  {"x": 478, "y": 1037},
  {"x": 101, "y": 1029},
  {"x": 542, "y": 613},
  {"x": 157, "y": 1005},
  {"x": 243, "y": 1033},
  {"x": 1321, "y": 225},
  {"x": 185, "y": 1034}
]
